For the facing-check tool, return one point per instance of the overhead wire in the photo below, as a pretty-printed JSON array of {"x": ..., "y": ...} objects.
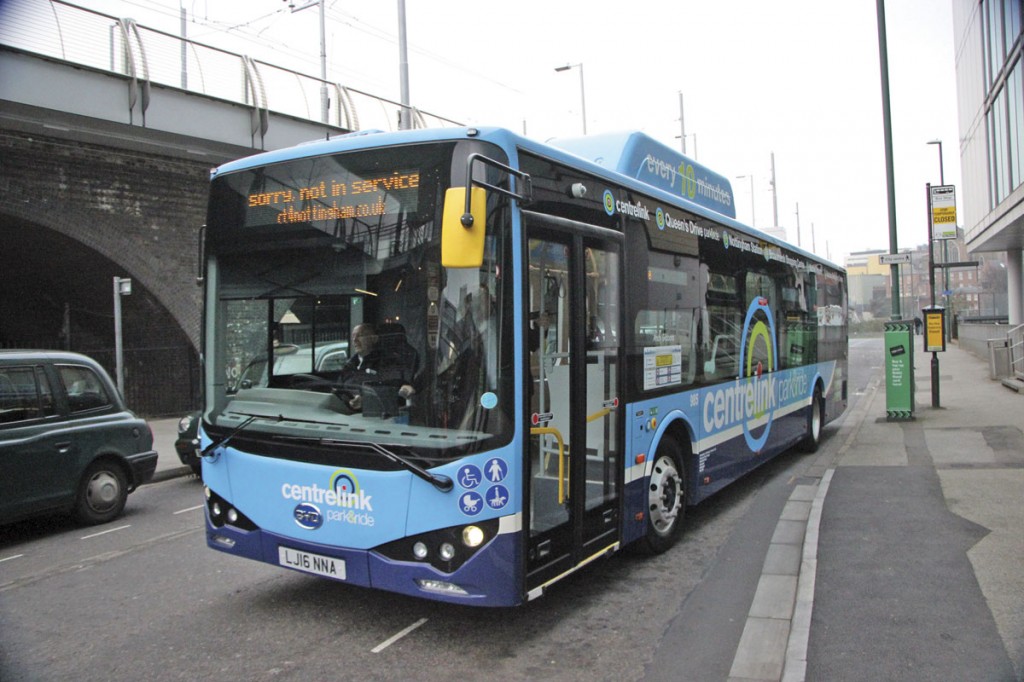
[{"x": 243, "y": 30}]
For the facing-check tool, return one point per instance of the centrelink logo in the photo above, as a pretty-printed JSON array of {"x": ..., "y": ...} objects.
[
  {"x": 752, "y": 396},
  {"x": 344, "y": 492},
  {"x": 344, "y": 501},
  {"x": 630, "y": 208}
]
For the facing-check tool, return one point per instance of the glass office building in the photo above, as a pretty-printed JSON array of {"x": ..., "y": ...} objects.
[{"x": 990, "y": 94}]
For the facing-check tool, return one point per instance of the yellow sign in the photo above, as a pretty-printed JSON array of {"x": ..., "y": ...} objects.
[
  {"x": 943, "y": 205},
  {"x": 934, "y": 339}
]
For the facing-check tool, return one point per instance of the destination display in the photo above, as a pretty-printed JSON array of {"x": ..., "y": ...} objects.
[{"x": 333, "y": 197}]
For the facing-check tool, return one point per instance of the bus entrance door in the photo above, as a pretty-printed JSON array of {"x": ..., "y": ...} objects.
[{"x": 576, "y": 428}]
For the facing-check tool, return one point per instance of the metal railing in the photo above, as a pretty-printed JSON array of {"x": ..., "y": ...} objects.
[
  {"x": 1015, "y": 347},
  {"x": 63, "y": 31}
]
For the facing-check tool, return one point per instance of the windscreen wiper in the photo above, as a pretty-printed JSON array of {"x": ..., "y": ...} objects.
[
  {"x": 224, "y": 441},
  {"x": 439, "y": 481}
]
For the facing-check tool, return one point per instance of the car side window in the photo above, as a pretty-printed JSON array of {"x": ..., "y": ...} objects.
[
  {"x": 85, "y": 390},
  {"x": 24, "y": 394}
]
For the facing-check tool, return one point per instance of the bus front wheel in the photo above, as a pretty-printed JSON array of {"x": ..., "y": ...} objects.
[{"x": 666, "y": 499}]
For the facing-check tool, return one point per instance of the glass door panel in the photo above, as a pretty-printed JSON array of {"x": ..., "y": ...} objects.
[{"x": 575, "y": 429}]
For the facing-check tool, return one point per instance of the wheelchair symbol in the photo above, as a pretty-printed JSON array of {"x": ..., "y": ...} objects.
[{"x": 469, "y": 476}]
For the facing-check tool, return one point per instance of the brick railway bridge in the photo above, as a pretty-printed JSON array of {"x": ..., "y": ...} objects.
[{"x": 108, "y": 131}]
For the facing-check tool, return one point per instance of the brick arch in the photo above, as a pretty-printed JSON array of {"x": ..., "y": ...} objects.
[
  {"x": 130, "y": 262},
  {"x": 137, "y": 210},
  {"x": 73, "y": 216}
]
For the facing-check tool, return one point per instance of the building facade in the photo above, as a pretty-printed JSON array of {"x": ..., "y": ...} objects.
[{"x": 990, "y": 94}]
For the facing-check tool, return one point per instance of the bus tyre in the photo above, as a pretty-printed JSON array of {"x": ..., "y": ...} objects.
[
  {"x": 666, "y": 499},
  {"x": 815, "y": 422},
  {"x": 102, "y": 493}
]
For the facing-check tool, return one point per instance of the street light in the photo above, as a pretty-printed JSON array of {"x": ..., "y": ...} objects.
[
  {"x": 753, "y": 216},
  {"x": 324, "y": 101},
  {"x": 942, "y": 176},
  {"x": 405, "y": 115},
  {"x": 122, "y": 287},
  {"x": 583, "y": 95}
]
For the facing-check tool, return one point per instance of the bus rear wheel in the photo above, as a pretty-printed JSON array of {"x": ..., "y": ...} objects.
[
  {"x": 815, "y": 422},
  {"x": 666, "y": 499}
]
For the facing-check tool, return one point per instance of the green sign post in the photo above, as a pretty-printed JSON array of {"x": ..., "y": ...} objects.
[{"x": 899, "y": 370}]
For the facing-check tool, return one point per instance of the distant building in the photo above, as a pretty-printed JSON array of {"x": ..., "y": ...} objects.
[
  {"x": 970, "y": 294},
  {"x": 987, "y": 37},
  {"x": 868, "y": 283}
]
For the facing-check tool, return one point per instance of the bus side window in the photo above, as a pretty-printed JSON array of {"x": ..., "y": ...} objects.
[
  {"x": 798, "y": 332},
  {"x": 764, "y": 287},
  {"x": 671, "y": 314},
  {"x": 724, "y": 327}
]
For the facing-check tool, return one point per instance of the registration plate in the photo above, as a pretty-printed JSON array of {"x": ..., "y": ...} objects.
[{"x": 316, "y": 564}]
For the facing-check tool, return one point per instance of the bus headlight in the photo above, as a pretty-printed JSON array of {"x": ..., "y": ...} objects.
[
  {"x": 472, "y": 536},
  {"x": 223, "y": 512},
  {"x": 445, "y": 549}
]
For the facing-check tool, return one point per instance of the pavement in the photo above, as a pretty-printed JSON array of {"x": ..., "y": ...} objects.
[{"x": 899, "y": 553}]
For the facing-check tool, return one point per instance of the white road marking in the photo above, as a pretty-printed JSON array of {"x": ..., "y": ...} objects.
[
  {"x": 394, "y": 638},
  {"x": 16, "y": 556},
  {"x": 104, "y": 532},
  {"x": 182, "y": 511}
]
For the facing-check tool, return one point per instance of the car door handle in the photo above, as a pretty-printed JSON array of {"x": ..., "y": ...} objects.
[{"x": 63, "y": 448}]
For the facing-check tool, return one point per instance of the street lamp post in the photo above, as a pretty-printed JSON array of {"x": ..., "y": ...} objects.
[
  {"x": 583, "y": 95},
  {"x": 324, "y": 101},
  {"x": 122, "y": 287},
  {"x": 682, "y": 123},
  {"x": 405, "y": 116},
  {"x": 753, "y": 215}
]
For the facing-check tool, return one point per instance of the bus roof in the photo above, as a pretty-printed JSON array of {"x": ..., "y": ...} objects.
[{"x": 640, "y": 156}]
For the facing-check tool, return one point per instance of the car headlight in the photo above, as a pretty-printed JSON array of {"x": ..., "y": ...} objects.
[{"x": 185, "y": 423}]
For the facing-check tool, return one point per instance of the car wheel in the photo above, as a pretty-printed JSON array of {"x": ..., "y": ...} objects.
[
  {"x": 102, "y": 493},
  {"x": 666, "y": 499}
]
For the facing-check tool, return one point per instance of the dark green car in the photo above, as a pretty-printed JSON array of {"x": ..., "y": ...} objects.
[{"x": 67, "y": 441}]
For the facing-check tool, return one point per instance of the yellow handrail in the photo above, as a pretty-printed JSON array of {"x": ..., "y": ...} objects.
[
  {"x": 563, "y": 476},
  {"x": 547, "y": 430}
]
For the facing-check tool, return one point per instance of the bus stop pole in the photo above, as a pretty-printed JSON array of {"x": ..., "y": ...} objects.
[{"x": 931, "y": 286}]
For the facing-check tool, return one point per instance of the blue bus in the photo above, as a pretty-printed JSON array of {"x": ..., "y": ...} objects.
[{"x": 461, "y": 364}]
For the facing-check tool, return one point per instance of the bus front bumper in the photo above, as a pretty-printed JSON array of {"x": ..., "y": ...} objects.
[{"x": 490, "y": 578}]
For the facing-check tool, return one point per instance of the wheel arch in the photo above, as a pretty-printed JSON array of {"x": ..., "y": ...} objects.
[{"x": 116, "y": 460}]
